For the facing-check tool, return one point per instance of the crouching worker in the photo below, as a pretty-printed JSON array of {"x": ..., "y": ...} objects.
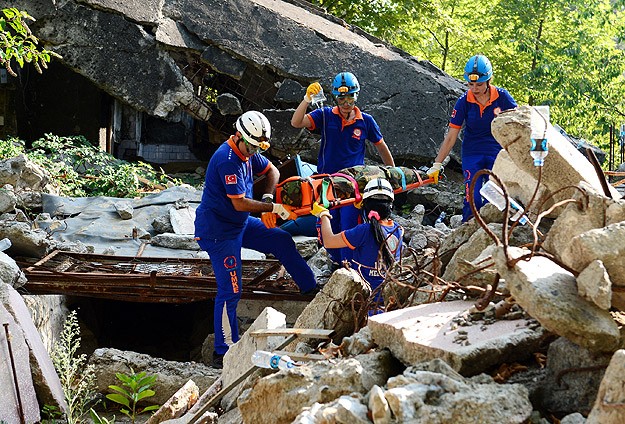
[
  {"x": 223, "y": 224},
  {"x": 376, "y": 244}
]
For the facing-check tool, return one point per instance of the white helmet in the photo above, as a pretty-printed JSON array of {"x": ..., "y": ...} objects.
[
  {"x": 379, "y": 186},
  {"x": 255, "y": 129}
]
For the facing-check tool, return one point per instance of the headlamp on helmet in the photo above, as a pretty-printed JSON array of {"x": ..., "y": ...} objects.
[
  {"x": 345, "y": 83},
  {"x": 255, "y": 131},
  {"x": 478, "y": 69}
]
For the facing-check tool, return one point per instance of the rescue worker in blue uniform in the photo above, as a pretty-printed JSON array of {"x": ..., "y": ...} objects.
[
  {"x": 344, "y": 130},
  {"x": 476, "y": 109},
  {"x": 377, "y": 243},
  {"x": 223, "y": 224}
]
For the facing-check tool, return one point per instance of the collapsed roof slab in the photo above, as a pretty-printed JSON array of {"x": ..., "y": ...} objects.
[
  {"x": 158, "y": 58},
  {"x": 440, "y": 330}
]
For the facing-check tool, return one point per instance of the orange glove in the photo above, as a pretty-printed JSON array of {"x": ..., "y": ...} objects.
[
  {"x": 284, "y": 211},
  {"x": 269, "y": 219}
]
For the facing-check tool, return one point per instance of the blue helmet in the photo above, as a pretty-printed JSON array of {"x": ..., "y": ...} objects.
[
  {"x": 345, "y": 83},
  {"x": 478, "y": 69}
]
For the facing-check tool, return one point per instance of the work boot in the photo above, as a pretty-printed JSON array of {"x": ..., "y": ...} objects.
[{"x": 218, "y": 360}]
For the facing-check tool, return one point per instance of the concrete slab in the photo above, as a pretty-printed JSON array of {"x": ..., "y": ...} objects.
[
  {"x": 439, "y": 330},
  {"x": 45, "y": 379},
  {"x": 9, "y": 410}
]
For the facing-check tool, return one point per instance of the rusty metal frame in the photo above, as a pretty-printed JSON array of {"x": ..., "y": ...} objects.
[{"x": 150, "y": 279}]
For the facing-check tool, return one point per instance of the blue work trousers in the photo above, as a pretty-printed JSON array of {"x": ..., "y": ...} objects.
[
  {"x": 471, "y": 164},
  {"x": 225, "y": 258}
]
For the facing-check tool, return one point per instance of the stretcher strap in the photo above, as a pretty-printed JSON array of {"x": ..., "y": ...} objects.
[
  {"x": 403, "y": 178},
  {"x": 351, "y": 179},
  {"x": 325, "y": 184}
]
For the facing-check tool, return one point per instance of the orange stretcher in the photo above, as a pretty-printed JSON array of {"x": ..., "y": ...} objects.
[{"x": 343, "y": 188}]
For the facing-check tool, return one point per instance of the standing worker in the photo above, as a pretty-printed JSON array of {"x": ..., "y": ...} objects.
[
  {"x": 344, "y": 129},
  {"x": 376, "y": 243},
  {"x": 223, "y": 223},
  {"x": 476, "y": 109}
]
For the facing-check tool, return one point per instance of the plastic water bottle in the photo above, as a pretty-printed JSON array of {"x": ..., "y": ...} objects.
[
  {"x": 539, "y": 123},
  {"x": 264, "y": 359},
  {"x": 5, "y": 243},
  {"x": 318, "y": 99},
  {"x": 494, "y": 194}
]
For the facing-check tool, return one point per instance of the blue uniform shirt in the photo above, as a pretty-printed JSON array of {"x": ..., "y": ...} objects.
[
  {"x": 478, "y": 138},
  {"x": 361, "y": 240},
  {"x": 229, "y": 175},
  {"x": 342, "y": 141}
]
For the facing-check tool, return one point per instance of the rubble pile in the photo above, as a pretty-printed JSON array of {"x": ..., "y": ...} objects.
[{"x": 497, "y": 323}]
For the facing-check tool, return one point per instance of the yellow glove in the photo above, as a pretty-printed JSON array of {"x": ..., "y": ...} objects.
[
  {"x": 320, "y": 211},
  {"x": 284, "y": 211},
  {"x": 312, "y": 89},
  {"x": 269, "y": 219},
  {"x": 435, "y": 170}
]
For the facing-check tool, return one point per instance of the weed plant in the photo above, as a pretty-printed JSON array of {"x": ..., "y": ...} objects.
[
  {"x": 77, "y": 378},
  {"x": 80, "y": 169},
  {"x": 135, "y": 388}
]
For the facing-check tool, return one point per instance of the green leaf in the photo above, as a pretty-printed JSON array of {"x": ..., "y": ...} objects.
[
  {"x": 120, "y": 390},
  {"x": 145, "y": 394},
  {"x": 117, "y": 398}
]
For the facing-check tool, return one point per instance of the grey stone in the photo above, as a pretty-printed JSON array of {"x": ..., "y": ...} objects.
[
  {"x": 228, "y": 104},
  {"x": 572, "y": 378},
  {"x": 611, "y": 396},
  {"x": 170, "y": 375},
  {"x": 548, "y": 293}
]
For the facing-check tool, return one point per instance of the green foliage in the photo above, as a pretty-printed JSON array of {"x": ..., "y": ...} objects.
[
  {"x": 80, "y": 169},
  {"x": 565, "y": 54},
  {"x": 18, "y": 43},
  {"x": 138, "y": 387},
  {"x": 51, "y": 413},
  {"x": 11, "y": 147},
  {"x": 77, "y": 378}
]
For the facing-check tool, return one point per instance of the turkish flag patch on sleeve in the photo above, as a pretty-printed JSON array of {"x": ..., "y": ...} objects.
[{"x": 231, "y": 179}]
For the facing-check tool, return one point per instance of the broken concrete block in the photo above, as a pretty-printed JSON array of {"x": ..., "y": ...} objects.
[
  {"x": 124, "y": 209},
  {"x": 604, "y": 244},
  {"x": 177, "y": 405},
  {"x": 331, "y": 308},
  {"x": 594, "y": 284},
  {"x": 238, "y": 359},
  {"x": 608, "y": 407},
  {"x": 422, "y": 396},
  {"x": 45, "y": 378},
  {"x": 289, "y": 391},
  {"x": 572, "y": 378},
  {"x": 378, "y": 405},
  {"x": 564, "y": 166},
  {"x": 182, "y": 220},
  {"x": 422, "y": 333},
  {"x": 20, "y": 354},
  {"x": 549, "y": 293},
  {"x": 591, "y": 210}
]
